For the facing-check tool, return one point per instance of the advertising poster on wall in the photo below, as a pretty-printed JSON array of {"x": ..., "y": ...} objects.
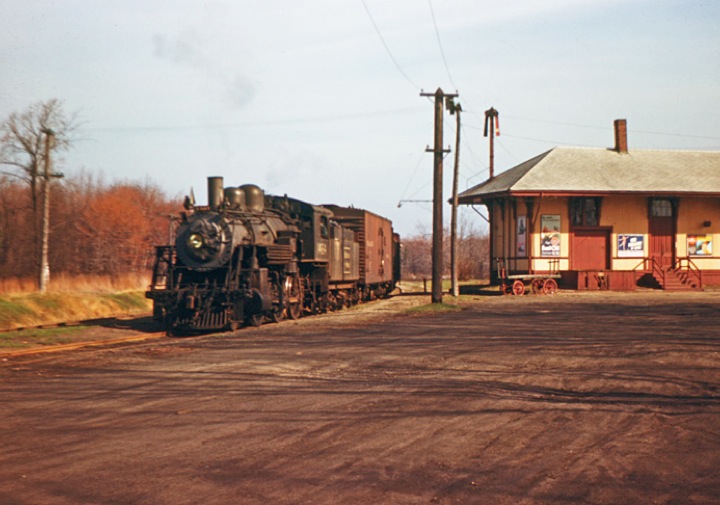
[
  {"x": 550, "y": 235},
  {"x": 699, "y": 245},
  {"x": 522, "y": 236},
  {"x": 631, "y": 245}
]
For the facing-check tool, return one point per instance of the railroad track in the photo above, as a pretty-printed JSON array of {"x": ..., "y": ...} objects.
[
  {"x": 137, "y": 337},
  {"x": 78, "y": 345}
]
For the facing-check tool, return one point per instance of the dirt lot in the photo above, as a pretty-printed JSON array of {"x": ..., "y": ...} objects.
[{"x": 575, "y": 398}]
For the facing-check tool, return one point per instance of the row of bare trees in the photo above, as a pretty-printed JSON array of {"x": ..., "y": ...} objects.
[{"x": 473, "y": 258}]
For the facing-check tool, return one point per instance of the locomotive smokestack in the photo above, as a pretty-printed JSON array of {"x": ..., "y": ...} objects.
[{"x": 215, "y": 192}]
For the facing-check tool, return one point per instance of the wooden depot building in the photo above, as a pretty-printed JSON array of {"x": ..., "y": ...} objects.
[{"x": 607, "y": 218}]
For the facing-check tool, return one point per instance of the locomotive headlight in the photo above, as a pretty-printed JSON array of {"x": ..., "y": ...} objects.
[
  {"x": 204, "y": 242},
  {"x": 195, "y": 241}
]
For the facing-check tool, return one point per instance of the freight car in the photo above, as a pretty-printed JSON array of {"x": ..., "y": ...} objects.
[
  {"x": 247, "y": 258},
  {"x": 379, "y": 259}
]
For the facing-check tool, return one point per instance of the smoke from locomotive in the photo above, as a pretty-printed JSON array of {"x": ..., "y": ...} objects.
[{"x": 247, "y": 258}]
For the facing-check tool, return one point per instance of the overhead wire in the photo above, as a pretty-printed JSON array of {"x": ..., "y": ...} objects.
[
  {"x": 442, "y": 51},
  {"x": 675, "y": 135},
  {"x": 251, "y": 124},
  {"x": 502, "y": 144},
  {"x": 596, "y": 127},
  {"x": 417, "y": 166},
  {"x": 387, "y": 48},
  {"x": 468, "y": 107},
  {"x": 407, "y": 78}
]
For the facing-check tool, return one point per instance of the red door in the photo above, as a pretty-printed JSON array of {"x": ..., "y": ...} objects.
[
  {"x": 662, "y": 232},
  {"x": 662, "y": 240},
  {"x": 590, "y": 250}
]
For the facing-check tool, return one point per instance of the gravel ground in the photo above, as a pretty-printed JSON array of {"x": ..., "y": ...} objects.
[{"x": 599, "y": 398}]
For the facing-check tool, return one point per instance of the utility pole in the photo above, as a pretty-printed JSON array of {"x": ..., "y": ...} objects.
[
  {"x": 44, "y": 265},
  {"x": 437, "y": 249},
  {"x": 492, "y": 117},
  {"x": 455, "y": 288},
  {"x": 44, "y": 279}
]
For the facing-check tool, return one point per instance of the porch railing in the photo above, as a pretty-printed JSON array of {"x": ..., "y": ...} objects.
[
  {"x": 685, "y": 265},
  {"x": 652, "y": 265},
  {"x": 693, "y": 272}
]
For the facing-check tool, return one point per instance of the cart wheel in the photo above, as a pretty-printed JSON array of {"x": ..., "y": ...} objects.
[
  {"x": 537, "y": 286},
  {"x": 550, "y": 286},
  {"x": 518, "y": 287}
]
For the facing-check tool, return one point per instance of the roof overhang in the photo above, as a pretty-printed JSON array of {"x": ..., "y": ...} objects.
[{"x": 481, "y": 199}]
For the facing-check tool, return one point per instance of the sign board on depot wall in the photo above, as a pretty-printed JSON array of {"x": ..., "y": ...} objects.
[
  {"x": 550, "y": 235},
  {"x": 631, "y": 245}
]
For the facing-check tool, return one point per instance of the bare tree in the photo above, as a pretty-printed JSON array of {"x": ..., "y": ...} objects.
[
  {"x": 22, "y": 141},
  {"x": 26, "y": 141}
]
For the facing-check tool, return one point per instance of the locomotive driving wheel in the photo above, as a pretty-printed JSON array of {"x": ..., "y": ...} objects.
[
  {"x": 276, "y": 313},
  {"x": 292, "y": 297}
]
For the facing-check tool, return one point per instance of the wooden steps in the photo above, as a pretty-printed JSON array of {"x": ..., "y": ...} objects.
[{"x": 677, "y": 279}]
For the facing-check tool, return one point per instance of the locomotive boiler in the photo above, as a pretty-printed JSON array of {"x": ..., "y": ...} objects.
[{"x": 247, "y": 258}]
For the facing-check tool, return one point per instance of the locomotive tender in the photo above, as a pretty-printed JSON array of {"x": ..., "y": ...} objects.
[{"x": 248, "y": 257}]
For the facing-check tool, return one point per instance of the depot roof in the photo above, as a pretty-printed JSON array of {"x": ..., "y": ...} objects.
[{"x": 597, "y": 171}]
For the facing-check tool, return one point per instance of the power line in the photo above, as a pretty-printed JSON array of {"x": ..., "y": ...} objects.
[
  {"x": 565, "y": 143},
  {"x": 250, "y": 124},
  {"x": 467, "y": 145},
  {"x": 442, "y": 52},
  {"x": 555, "y": 142},
  {"x": 417, "y": 166},
  {"x": 507, "y": 150},
  {"x": 595, "y": 127},
  {"x": 675, "y": 135},
  {"x": 548, "y": 121},
  {"x": 382, "y": 39}
]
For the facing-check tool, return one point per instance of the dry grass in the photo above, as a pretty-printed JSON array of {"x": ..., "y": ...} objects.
[
  {"x": 62, "y": 283},
  {"x": 23, "y": 310},
  {"x": 71, "y": 298}
]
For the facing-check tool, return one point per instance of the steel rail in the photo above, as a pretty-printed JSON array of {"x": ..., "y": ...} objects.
[{"x": 78, "y": 345}]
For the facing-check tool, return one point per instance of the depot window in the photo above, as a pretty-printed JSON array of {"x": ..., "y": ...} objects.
[
  {"x": 661, "y": 207},
  {"x": 585, "y": 211}
]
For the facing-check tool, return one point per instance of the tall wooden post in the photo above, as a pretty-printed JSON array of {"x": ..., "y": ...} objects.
[
  {"x": 437, "y": 249},
  {"x": 492, "y": 119},
  {"x": 44, "y": 264},
  {"x": 455, "y": 288}
]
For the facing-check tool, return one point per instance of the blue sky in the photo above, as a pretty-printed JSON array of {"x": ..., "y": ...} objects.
[{"x": 303, "y": 98}]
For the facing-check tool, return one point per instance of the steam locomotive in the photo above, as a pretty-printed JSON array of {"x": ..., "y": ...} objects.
[{"x": 247, "y": 258}]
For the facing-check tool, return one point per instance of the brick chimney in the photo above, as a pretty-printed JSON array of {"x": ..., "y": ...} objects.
[{"x": 621, "y": 144}]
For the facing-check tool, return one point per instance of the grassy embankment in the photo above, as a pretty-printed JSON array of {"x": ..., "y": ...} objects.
[{"x": 71, "y": 299}]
